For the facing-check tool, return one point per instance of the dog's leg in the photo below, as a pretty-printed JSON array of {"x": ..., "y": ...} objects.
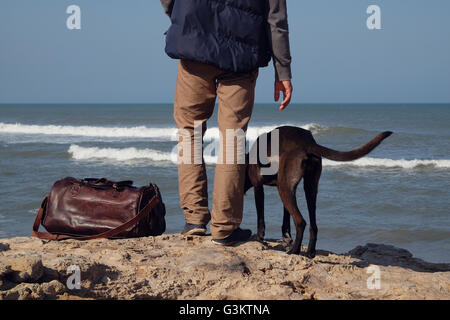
[
  {"x": 286, "y": 228},
  {"x": 313, "y": 171},
  {"x": 289, "y": 175},
  {"x": 290, "y": 202},
  {"x": 259, "y": 202}
]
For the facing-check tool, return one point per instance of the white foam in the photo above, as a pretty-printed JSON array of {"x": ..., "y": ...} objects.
[
  {"x": 126, "y": 154},
  {"x": 390, "y": 163},
  {"x": 166, "y": 133},
  {"x": 117, "y": 154},
  {"x": 33, "y": 211},
  {"x": 90, "y": 131}
]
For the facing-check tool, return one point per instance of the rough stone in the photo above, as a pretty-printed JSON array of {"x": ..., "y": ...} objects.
[
  {"x": 178, "y": 267},
  {"x": 23, "y": 268}
]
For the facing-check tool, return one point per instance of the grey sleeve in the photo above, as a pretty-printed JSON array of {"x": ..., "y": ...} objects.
[
  {"x": 279, "y": 39},
  {"x": 167, "y": 5}
]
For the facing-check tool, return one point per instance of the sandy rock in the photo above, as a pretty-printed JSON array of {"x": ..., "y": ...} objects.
[
  {"x": 23, "y": 268},
  {"x": 23, "y": 291},
  {"x": 34, "y": 291},
  {"x": 389, "y": 255},
  {"x": 53, "y": 288},
  {"x": 4, "y": 270},
  {"x": 179, "y": 267},
  {"x": 4, "y": 247}
]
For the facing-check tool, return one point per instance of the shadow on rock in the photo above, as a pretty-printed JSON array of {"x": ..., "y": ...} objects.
[
  {"x": 388, "y": 255},
  {"x": 283, "y": 246}
]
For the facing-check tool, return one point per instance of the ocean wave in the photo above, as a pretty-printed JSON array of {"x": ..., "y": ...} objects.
[
  {"x": 33, "y": 211},
  {"x": 117, "y": 154},
  {"x": 141, "y": 132},
  {"x": 89, "y": 131},
  {"x": 253, "y": 133},
  {"x": 134, "y": 154},
  {"x": 391, "y": 163}
]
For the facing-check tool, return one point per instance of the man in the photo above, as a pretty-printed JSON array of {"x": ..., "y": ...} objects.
[{"x": 221, "y": 45}]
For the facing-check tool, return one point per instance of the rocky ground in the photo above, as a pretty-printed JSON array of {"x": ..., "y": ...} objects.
[{"x": 179, "y": 267}]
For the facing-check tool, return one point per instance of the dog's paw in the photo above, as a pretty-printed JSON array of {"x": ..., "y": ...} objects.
[
  {"x": 310, "y": 254},
  {"x": 287, "y": 239},
  {"x": 293, "y": 250},
  {"x": 261, "y": 233}
]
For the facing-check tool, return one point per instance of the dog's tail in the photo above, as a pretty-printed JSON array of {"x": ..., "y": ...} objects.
[{"x": 350, "y": 155}]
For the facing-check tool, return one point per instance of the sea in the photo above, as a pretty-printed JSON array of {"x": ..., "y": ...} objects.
[{"x": 397, "y": 195}]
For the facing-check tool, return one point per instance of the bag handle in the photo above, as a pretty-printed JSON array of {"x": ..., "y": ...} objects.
[
  {"x": 104, "y": 183},
  {"x": 107, "y": 234}
]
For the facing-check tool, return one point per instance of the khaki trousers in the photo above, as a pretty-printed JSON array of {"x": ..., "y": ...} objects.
[{"x": 198, "y": 85}]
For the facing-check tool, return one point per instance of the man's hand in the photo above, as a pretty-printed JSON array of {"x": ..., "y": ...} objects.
[{"x": 286, "y": 88}]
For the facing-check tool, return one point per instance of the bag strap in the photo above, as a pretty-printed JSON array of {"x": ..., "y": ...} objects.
[{"x": 107, "y": 234}]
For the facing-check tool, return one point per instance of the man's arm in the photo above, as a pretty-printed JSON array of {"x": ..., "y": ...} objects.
[
  {"x": 279, "y": 40},
  {"x": 167, "y": 5},
  {"x": 279, "y": 37}
]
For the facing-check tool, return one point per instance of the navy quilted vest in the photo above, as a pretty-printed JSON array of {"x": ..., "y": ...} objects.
[{"x": 229, "y": 34}]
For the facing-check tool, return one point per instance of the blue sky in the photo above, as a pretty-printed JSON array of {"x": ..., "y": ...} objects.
[{"x": 118, "y": 55}]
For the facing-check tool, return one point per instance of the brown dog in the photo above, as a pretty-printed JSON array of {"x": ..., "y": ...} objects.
[{"x": 299, "y": 157}]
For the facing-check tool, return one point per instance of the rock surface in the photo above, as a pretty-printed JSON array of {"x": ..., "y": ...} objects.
[{"x": 179, "y": 267}]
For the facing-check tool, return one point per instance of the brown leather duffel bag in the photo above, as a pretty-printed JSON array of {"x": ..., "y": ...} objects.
[{"x": 98, "y": 208}]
